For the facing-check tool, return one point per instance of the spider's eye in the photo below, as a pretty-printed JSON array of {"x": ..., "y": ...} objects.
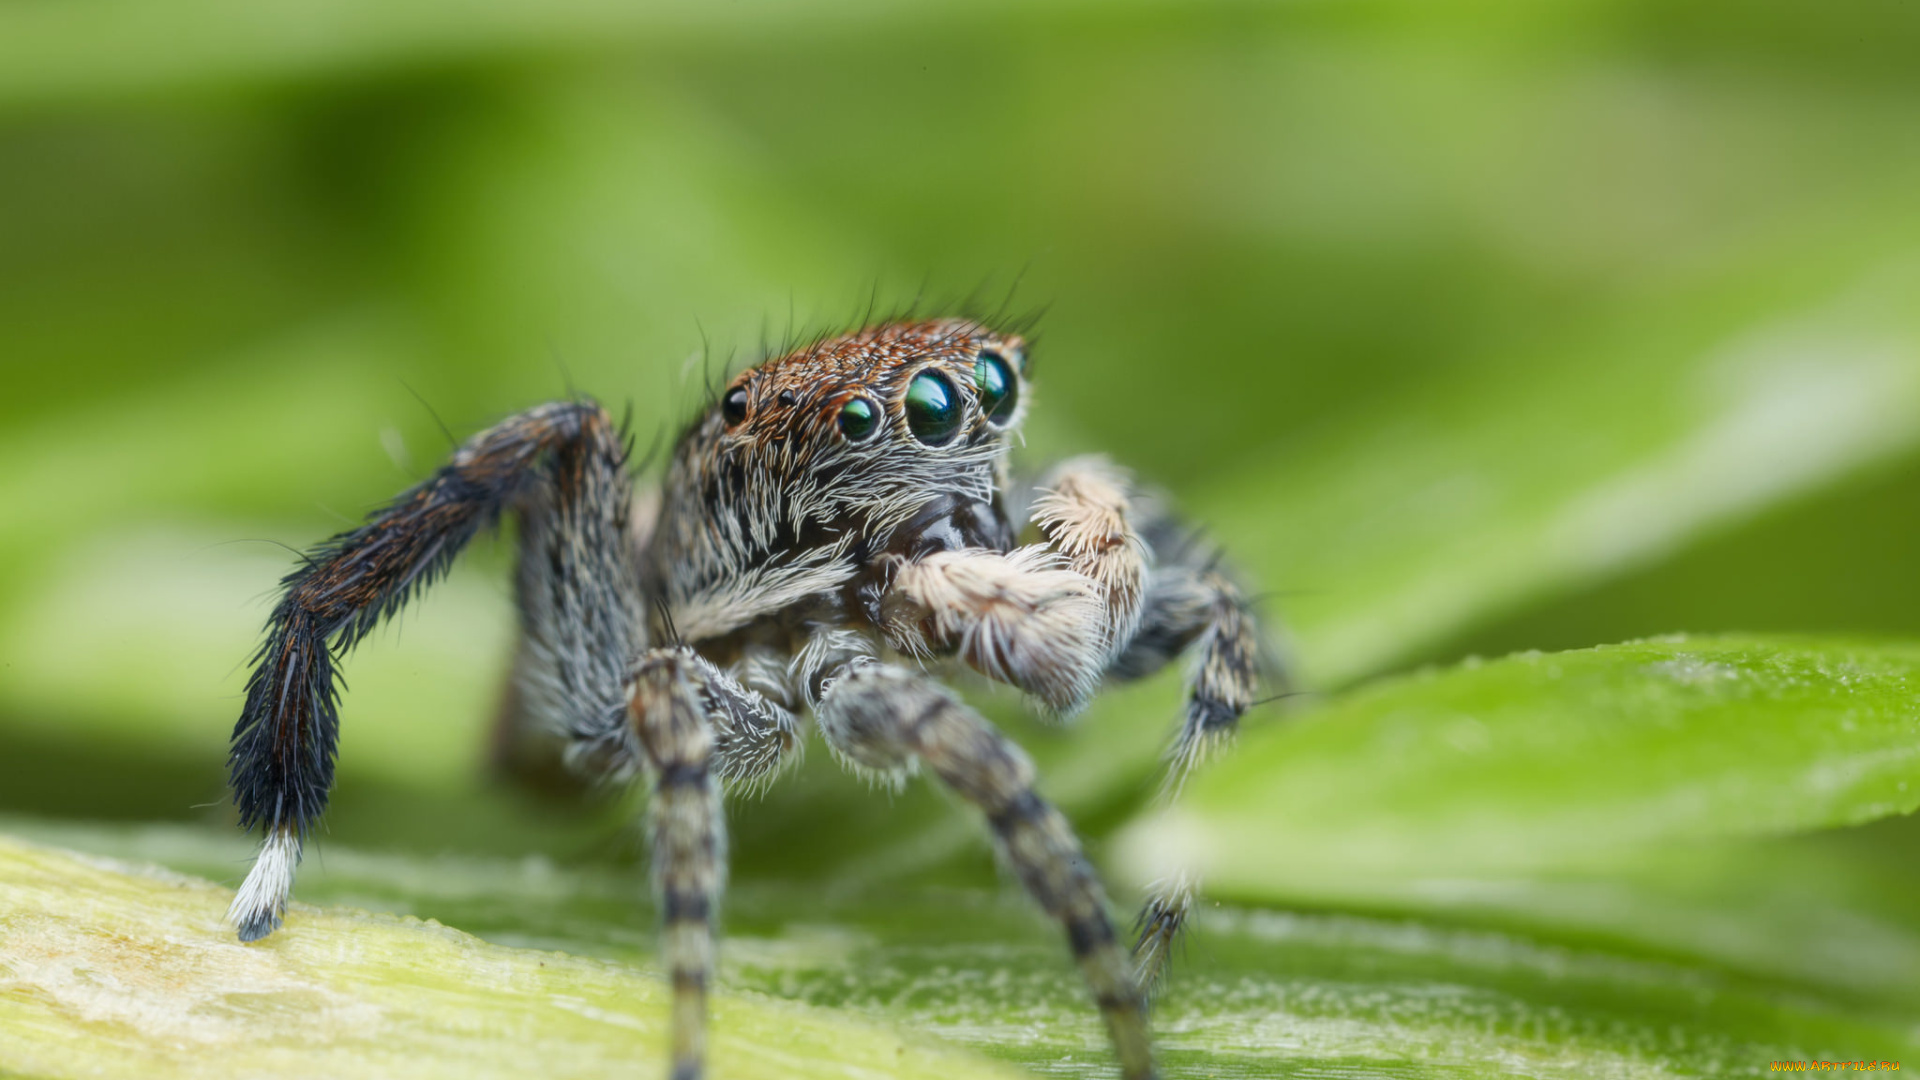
[
  {"x": 859, "y": 418},
  {"x": 734, "y": 405},
  {"x": 933, "y": 408},
  {"x": 999, "y": 389}
]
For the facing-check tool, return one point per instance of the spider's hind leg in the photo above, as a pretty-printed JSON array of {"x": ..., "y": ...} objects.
[{"x": 565, "y": 464}]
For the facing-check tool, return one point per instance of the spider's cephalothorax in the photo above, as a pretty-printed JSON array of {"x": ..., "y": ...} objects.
[{"x": 837, "y": 524}]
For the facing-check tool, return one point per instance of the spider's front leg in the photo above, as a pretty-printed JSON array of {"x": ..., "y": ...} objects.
[
  {"x": 1167, "y": 596},
  {"x": 564, "y": 466},
  {"x": 1191, "y": 608},
  {"x": 888, "y": 719}
]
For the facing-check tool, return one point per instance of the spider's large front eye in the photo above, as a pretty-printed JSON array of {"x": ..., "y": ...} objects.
[
  {"x": 859, "y": 418},
  {"x": 933, "y": 408},
  {"x": 734, "y": 406},
  {"x": 999, "y": 388}
]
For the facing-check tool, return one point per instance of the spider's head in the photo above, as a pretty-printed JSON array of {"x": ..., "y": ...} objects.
[
  {"x": 860, "y": 430},
  {"x": 929, "y": 391}
]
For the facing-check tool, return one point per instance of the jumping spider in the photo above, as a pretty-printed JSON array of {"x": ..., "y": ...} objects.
[{"x": 840, "y": 519}]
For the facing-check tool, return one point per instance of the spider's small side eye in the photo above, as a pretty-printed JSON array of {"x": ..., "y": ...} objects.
[
  {"x": 859, "y": 418},
  {"x": 999, "y": 387},
  {"x": 933, "y": 408},
  {"x": 734, "y": 406}
]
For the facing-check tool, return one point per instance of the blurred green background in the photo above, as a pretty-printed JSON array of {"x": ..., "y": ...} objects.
[{"x": 1469, "y": 327}]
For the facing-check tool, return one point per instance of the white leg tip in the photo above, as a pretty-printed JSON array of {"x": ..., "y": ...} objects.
[{"x": 262, "y": 898}]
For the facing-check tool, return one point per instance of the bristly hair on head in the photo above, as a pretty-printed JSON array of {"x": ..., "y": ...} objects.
[{"x": 1000, "y": 316}]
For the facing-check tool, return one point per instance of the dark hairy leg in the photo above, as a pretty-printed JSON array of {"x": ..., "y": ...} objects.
[{"x": 565, "y": 463}]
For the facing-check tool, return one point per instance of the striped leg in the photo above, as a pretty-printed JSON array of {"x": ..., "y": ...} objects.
[
  {"x": 888, "y": 719},
  {"x": 565, "y": 463},
  {"x": 687, "y": 838},
  {"x": 1200, "y": 613},
  {"x": 1190, "y": 608},
  {"x": 754, "y": 737}
]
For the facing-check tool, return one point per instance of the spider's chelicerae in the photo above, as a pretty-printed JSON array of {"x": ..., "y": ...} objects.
[{"x": 837, "y": 524}]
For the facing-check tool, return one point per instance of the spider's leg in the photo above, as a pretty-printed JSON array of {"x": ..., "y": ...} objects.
[
  {"x": 754, "y": 736},
  {"x": 1157, "y": 928},
  {"x": 1193, "y": 608},
  {"x": 687, "y": 837},
  {"x": 888, "y": 719},
  {"x": 570, "y": 457},
  {"x": 1201, "y": 613},
  {"x": 549, "y": 735},
  {"x": 755, "y": 732},
  {"x": 1167, "y": 596},
  {"x": 1020, "y": 617}
]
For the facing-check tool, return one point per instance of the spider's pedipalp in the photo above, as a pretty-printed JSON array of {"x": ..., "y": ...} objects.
[
  {"x": 885, "y": 717},
  {"x": 762, "y": 669},
  {"x": 1020, "y": 617},
  {"x": 1083, "y": 510}
]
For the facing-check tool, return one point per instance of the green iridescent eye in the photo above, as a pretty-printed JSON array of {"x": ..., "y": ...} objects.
[
  {"x": 999, "y": 389},
  {"x": 933, "y": 408},
  {"x": 859, "y": 418}
]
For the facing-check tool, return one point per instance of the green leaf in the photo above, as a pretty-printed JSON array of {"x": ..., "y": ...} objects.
[
  {"x": 110, "y": 973},
  {"x": 1258, "y": 994},
  {"x": 1542, "y": 761}
]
